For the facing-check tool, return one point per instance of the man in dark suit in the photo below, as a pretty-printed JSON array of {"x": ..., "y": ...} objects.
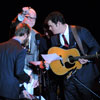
[
  {"x": 12, "y": 58},
  {"x": 79, "y": 85}
]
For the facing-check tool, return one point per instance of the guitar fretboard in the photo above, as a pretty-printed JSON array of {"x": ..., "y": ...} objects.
[{"x": 89, "y": 57}]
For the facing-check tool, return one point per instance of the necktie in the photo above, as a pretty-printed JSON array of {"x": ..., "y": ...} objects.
[{"x": 65, "y": 41}]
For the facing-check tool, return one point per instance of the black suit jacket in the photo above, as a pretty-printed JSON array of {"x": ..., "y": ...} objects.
[
  {"x": 89, "y": 71},
  {"x": 12, "y": 57}
]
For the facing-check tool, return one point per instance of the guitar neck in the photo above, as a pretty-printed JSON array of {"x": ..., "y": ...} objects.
[{"x": 87, "y": 57}]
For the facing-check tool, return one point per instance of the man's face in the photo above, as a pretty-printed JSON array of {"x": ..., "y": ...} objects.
[
  {"x": 55, "y": 28},
  {"x": 30, "y": 18},
  {"x": 25, "y": 38}
]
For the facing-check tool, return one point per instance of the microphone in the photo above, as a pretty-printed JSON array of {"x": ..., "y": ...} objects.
[{"x": 37, "y": 39}]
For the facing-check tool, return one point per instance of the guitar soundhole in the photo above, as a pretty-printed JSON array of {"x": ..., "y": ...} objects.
[
  {"x": 68, "y": 65},
  {"x": 71, "y": 59}
]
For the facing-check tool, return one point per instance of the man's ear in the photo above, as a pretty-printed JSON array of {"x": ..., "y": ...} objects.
[{"x": 58, "y": 23}]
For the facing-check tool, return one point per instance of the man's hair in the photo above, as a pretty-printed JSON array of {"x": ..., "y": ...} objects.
[
  {"x": 22, "y": 29},
  {"x": 55, "y": 17}
]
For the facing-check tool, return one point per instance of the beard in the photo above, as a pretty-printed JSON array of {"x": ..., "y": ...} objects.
[{"x": 25, "y": 43}]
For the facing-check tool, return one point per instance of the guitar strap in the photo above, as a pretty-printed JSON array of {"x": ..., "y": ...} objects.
[{"x": 77, "y": 38}]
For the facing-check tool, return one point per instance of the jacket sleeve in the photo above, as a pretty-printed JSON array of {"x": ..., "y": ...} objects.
[{"x": 19, "y": 67}]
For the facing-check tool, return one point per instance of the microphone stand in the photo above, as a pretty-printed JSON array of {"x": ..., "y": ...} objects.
[
  {"x": 87, "y": 88},
  {"x": 78, "y": 81},
  {"x": 40, "y": 82}
]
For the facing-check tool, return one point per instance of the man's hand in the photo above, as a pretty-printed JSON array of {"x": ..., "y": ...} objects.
[
  {"x": 27, "y": 95},
  {"x": 35, "y": 62},
  {"x": 83, "y": 61},
  {"x": 40, "y": 63},
  {"x": 35, "y": 83}
]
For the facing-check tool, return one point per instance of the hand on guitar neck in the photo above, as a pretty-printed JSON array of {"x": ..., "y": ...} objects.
[{"x": 83, "y": 61}]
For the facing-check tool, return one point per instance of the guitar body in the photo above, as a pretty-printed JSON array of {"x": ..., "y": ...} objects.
[{"x": 59, "y": 67}]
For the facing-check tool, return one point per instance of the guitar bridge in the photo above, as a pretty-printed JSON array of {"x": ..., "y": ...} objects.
[{"x": 62, "y": 63}]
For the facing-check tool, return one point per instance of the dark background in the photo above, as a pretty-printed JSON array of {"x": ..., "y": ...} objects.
[{"x": 82, "y": 12}]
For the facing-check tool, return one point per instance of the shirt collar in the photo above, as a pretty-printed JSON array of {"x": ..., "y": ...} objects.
[
  {"x": 67, "y": 30},
  {"x": 17, "y": 39}
]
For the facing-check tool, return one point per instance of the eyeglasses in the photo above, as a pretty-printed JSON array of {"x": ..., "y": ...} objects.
[{"x": 29, "y": 17}]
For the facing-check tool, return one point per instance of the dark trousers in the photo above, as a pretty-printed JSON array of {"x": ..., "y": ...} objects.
[{"x": 55, "y": 89}]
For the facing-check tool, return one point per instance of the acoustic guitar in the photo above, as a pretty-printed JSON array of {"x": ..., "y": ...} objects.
[{"x": 69, "y": 60}]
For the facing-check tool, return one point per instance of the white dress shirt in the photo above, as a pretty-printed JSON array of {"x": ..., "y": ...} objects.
[{"x": 66, "y": 33}]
